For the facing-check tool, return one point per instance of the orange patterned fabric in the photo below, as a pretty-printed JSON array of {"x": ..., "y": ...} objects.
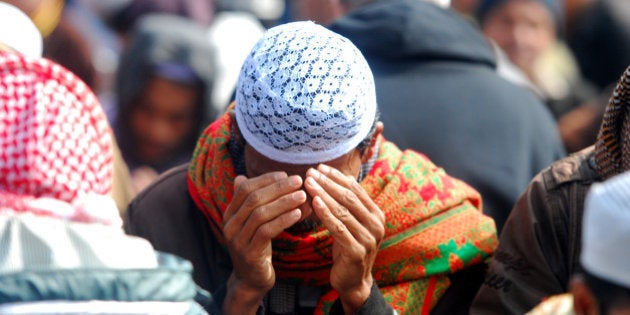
[{"x": 434, "y": 226}]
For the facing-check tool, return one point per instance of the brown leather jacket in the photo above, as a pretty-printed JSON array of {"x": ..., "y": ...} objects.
[{"x": 539, "y": 246}]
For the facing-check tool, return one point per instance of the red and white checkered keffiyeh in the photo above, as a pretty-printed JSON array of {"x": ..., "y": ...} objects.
[{"x": 55, "y": 144}]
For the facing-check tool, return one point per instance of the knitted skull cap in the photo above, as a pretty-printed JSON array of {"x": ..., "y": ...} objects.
[
  {"x": 55, "y": 141},
  {"x": 605, "y": 231},
  {"x": 305, "y": 95}
]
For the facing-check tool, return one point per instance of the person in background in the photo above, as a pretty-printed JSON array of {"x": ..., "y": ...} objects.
[
  {"x": 434, "y": 74},
  {"x": 294, "y": 203},
  {"x": 599, "y": 37},
  {"x": 63, "y": 40},
  {"x": 603, "y": 286},
  {"x": 539, "y": 247},
  {"x": 64, "y": 251},
  {"x": 467, "y": 8},
  {"x": 123, "y": 16},
  {"x": 530, "y": 33},
  {"x": 164, "y": 94},
  {"x": 230, "y": 53},
  {"x": 19, "y": 34}
]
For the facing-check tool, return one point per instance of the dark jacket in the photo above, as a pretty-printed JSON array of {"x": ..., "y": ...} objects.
[
  {"x": 539, "y": 247},
  {"x": 166, "y": 215},
  {"x": 439, "y": 93}
]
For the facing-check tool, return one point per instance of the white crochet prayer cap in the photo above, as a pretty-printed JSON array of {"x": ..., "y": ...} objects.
[
  {"x": 19, "y": 32},
  {"x": 305, "y": 95},
  {"x": 606, "y": 230}
]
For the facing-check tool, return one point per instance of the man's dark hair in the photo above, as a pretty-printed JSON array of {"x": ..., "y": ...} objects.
[
  {"x": 365, "y": 143},
  {"x": 353, "y": 4}
]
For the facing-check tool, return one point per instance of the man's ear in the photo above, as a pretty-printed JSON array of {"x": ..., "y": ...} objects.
[
  {"x": 584, "y": 302},
  {"x": 369, "y": 151}
]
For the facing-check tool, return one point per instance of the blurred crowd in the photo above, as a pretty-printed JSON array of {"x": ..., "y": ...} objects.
[{"x": 569, "y": 53}]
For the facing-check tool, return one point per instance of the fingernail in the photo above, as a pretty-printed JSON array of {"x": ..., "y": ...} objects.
[
  {"x": 315, "y": 173},
  {"x": 324, "y": 168},
  {"x": 312, "y": 183},
  {"x": 318, "y": 201},
  {"x": 295, "y": 180},
  {"x": 296, "y": 213},
  {"x": 298, "y": 195},
  {"x": 279, "y": 175}
]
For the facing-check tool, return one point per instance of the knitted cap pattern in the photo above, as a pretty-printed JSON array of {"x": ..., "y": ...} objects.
[
  {"x": 305, "y": 95},
  {"x": 55, "y": 141}
]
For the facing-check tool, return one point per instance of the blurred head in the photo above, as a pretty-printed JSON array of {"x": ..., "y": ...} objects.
[
  {"x": 524, "y": 29},
  {"x": 324, "y": 12},
  {"x": 164, "y": 90},
  {"x": 604, "y": 288},
  {"x": 56, "y": 155},
  {"x": 18, "y": 33},
  {"x": 305, "y": 96},
  {"x": 466, "y": 7},
  {"x": 122, "y": 16},
  {"x": 45, "y": 14},
  {"x": 163, "y": 116}
]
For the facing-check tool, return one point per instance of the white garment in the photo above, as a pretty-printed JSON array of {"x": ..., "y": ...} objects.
[
  {"x": 232, "y": 34},
  {"x": 95, "y": 307},
  {"x": 30, "y": 241},
  {"x": 19, "y": 32}
]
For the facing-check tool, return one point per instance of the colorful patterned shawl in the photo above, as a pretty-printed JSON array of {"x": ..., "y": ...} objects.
[{"x": 434, "y": 226}]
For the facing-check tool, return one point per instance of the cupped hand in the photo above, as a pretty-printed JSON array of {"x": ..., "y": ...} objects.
[
  {"x": 261, "y": 209},
  {"x": 358, "y": 227}
]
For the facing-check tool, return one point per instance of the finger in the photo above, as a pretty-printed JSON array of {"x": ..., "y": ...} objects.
[
  {"x": 244, "y": 186},
  {"x": 337, "y": 217},
  {"x": 340, "y": 193},
  {"x": 346, "y": 233},
  {"x": 269, "y": 230},
  {"x": 268, "y": 213},
  {"x": 238, "y": 181},
  {"x": 364, "y": 210},
  {"x": 352, "y": 184},
  {"x": 373, "y": 218},
  {"x": 256, "y": 202}
]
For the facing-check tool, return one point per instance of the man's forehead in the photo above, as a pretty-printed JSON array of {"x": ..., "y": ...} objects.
[{"x": 259, "y": 164}]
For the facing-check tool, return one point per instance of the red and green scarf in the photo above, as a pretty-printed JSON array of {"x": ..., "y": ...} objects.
[{"x": 434, "y": 226}]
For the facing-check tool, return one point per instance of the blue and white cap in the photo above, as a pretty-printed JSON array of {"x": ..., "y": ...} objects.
[{"x": 305, "y": 95}]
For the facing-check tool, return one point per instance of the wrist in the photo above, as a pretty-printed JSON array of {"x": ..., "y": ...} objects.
[
  {"x": 352, "y": 300},
  {"x": 241, "y": 298}
]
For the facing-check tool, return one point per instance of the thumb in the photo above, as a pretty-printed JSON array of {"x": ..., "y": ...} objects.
[{"x": 238, "y": 181}]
